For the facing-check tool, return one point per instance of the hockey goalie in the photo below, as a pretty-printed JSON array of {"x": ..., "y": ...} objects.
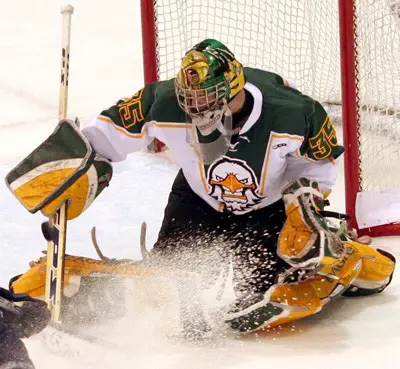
[{"x": 258, "y": 159}]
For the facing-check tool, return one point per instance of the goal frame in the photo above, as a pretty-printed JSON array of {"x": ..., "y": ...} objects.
[
  {"x": 350, "y": 116},
  {"x": 350, "y": 103}
]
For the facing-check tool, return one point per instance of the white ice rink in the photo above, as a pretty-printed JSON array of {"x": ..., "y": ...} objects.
[{"x": 106, "y": 64}]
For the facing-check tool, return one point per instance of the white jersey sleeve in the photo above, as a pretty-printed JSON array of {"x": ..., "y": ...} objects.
[{"x": 113, "y": 141}]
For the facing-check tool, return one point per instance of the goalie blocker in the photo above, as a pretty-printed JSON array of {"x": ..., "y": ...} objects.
[{"x": 63, "y": 168}]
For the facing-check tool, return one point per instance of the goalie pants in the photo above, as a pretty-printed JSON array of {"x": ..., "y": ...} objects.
[{"x": 197, "y": 238}]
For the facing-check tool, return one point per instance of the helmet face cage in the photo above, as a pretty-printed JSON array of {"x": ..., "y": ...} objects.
[{"x": 197, "y": 102}]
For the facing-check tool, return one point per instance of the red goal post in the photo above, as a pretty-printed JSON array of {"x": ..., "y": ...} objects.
[{"x": 343, "y": 53}]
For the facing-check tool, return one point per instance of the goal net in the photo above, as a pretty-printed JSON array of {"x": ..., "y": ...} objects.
[{"x": 322, "y": 46}]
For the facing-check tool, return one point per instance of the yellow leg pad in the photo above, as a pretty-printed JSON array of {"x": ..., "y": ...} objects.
[
  {"x": 33, "y": 281},
  {"x": 293, "y": 316},
  {"x": 310, "y": 296},
  {"x": 295, "y": 234},
  {"x": 376, "y": 268},
  {"x": 345, "y": 269},
  {"x": 302, "y": 299}
]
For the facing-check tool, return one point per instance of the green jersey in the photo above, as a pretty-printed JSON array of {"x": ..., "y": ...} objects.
[{"x": 287, "y": 135}]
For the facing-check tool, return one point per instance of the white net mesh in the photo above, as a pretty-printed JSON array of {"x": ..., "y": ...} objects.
[
  {"x": 282, "y": 36},
  {"x": 299, "y": 39},
  {"x": 378, "y": 37}
]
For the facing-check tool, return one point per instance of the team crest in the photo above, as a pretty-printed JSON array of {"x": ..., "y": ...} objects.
[{"x": 233, "y": 183}]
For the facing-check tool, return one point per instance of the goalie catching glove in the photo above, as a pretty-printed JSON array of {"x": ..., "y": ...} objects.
[{"x": 63, "y": 168}]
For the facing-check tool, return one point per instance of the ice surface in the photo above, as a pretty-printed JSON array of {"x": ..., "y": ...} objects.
[{"x": 105, "y": 65}]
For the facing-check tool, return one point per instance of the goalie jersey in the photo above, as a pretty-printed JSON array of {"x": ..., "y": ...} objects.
[{"x": 285, "y": 136}]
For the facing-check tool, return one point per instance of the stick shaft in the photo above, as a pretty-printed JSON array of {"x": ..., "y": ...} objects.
[
  {"x": 65, "y": 44},
  {"x": 56, "y": 247}
]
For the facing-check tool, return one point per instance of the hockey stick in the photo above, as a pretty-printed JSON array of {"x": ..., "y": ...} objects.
[{"x": 55, "y": 230}]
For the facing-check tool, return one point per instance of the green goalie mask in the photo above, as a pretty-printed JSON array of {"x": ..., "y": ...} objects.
[{"x": 209, "y": 78}]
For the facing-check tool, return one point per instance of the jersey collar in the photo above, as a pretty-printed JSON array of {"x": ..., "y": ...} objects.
[{"x": 256, "y": 112}]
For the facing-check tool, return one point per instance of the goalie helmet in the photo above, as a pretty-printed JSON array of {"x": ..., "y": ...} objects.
[
  {"x": 208, "y": 79},
  {"x": 209, "y": 75}
]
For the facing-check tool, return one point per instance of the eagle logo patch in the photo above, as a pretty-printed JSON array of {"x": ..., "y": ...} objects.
[{"x": 233, "y": 183}]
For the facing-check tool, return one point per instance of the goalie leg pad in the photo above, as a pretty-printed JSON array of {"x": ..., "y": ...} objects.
[
  {"x": 287, "y": 303},
  {"x": 362, "y": 270},
  {"x": 305, "y": 238},
  {"x": 280, "y": 305},
  {"x": 376, "y": 271}
]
